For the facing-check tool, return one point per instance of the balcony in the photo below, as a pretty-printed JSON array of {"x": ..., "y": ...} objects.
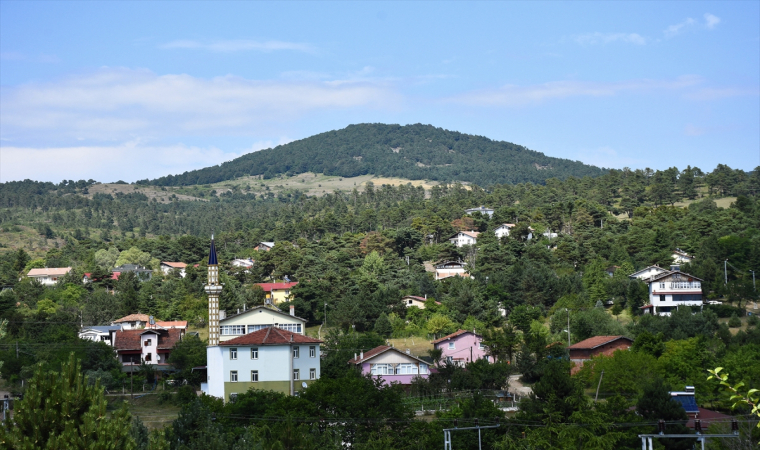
[{"x": 685, "y": 285}]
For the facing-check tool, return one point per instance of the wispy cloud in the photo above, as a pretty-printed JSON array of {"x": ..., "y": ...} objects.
[
  {"x": 238, "y": 45},
  {"x": 607, "y": 38},
  {"x": 124, "y": 161},
  {"x": 513, "y": 95},
  {"x": 117, "y": 103},
  {"x": 721, "y": 93},
  {"x": 711, "y": 21},
  {"x": 16, "y": 56}
]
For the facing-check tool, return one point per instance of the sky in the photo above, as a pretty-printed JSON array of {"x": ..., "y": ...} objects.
[{"x": 134, "y": 90}]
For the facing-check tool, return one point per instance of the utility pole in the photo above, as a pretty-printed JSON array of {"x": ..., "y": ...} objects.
[
  {"x": 325, "y": 313},
  {"x": 725, "y": 272},
  {"x": 131, "y": 379},
  {"x": 568, "y": 327},
  {"x": 598, "y": 386},
  {"x": 753, "y": 280}
]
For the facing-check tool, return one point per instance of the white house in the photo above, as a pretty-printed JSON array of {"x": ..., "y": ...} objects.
[
  {"x": 167, "y": 266},
  {"x": 132, "y": 321},
  {"x": 99, "y": 333},
  {"x": 48, "y": 276},
  {"x": 241, "y": 262},
  {"x": 464, "y": 238},
  {"x": 267, "y": 359},
  {"x": 681, "y": 257},
  {"x": 450, "y": 269},
  {"x": 503, "y": 230},
  {"x": 648, "y": 272},
  {"x": 258, "y": 318},
  {"x": 134, "y": 347},
  {"x": 672, "y": 289},
  {"x": 265, "y": 246},
  {"x": 413, "y": 300},
  {"x": 481, "y": 209}
]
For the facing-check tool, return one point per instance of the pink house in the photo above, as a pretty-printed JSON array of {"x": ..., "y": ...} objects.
[
  {"x": 391, "y": 365},
  {"x": 461, "y": 347}
]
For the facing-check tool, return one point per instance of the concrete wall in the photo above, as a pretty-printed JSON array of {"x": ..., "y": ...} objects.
[
  {"x": 151, "y": 350},
  {"x": 215, "y": 366}
]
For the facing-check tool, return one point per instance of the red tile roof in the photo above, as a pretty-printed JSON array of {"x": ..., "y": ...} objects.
[
  {"x": 130, "y": 339},
  {"x": 452, "y": 335},
  {"x": 114, "y": 276},
  {"x": 708, "y": 417},
  {"x": 597, "y": 341},
  {"x": 271, "y": 336},
  {"x": 133, "y": 318},
  {"x": 269, "y": 287}
]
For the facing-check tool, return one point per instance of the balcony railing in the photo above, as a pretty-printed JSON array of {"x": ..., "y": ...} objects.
[{"x": 686, "y": 285}]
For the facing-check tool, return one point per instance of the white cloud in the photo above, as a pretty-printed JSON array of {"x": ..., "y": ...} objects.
[
  {"x": 238, "y": 45},
  {"x": 711, "y": 20},
  {"x": 512, "y": 95},
  {"x": 124, "y": 161},
  {"x": 721, "y": 93},
  {"x": 121, "y": 104},
  {"x": 608, "y": 157},
  {"x": 679, "y": 27},
  {"x": 606, "y": 38}
]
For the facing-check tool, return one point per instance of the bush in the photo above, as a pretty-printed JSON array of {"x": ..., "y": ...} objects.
[
  {"x": 724, "y": 311},
  {"x": 186, "y": 394},
  {"x": 734, "y": 321},
  {"x": 752, "y": 320}
]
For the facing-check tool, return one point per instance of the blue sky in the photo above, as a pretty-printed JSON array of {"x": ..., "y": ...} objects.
[{"x": 133, "y": 90}]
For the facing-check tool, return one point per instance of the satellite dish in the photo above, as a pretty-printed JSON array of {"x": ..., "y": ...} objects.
[{"x": 304, "y": 385}]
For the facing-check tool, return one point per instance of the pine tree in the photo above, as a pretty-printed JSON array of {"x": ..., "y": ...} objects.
[{"x": 63, "y": 411}]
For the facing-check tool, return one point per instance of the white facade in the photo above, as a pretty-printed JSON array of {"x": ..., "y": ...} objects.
[
  {"x": 256, "y": 319},
  {"x": 669, "y": 291},
  {"x": 450, "y": 269},
  {"x": 167, "y": 267},
  {"x": 503, "y": 230},
  {"x": 99, "y": 333},
  {"x": 481, "y": 209},
  {"x": 465, "y": 238},
  {"x": 648, "y": 272},
  {"x": 48, "y": 276},
  {"x": 214, "y": 385},
  {"x": 681, "y": 257}
]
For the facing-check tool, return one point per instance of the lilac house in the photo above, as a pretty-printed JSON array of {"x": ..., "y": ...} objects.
[
  {"x": 461, "y": 347},
  {"x": 391, "y": 364}
]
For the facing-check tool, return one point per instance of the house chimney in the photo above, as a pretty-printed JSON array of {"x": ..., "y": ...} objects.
[
  {"x": 408, "y": 352},
  {"x": 361, "y": 354},
  {"x": 243, "y": 307},
  {"x": 355, "y": 359},
  {"x": 292, "y": 310},
  {"x": 238, "y": 311},
  {"x": 425, "y": 296}
]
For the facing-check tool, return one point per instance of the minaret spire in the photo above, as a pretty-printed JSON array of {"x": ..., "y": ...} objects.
[{"x": 213, "y": 289}]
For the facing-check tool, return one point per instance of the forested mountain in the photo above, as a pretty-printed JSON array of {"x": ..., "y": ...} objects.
[{"x": 417, "y": 152}]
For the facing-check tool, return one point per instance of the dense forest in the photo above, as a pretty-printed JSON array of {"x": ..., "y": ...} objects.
[
  {"x": 416, "y": 152},
  {"x": 355, "y": 254}
]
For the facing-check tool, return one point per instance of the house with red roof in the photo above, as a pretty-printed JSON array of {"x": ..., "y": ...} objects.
[
  {"x": 391, "y": 365},
  {"x": 595, "y": 346},
  {"x": 278, "y": 292},
  {"x": 132, "y": 321},
  {"x": 168, "y": 266},
  {"x": 461, "y": 347},
  {"x": 413, "y": 300},
  {"x": 267, "y": 359},
  {"x": 465, "y": 238},
  {"x": 49, "y": 275},
  {"x": 149, "y": 346}
]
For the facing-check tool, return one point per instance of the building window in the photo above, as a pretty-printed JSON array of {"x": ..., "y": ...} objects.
[
  {"x": 233, "y": 397},
  {"x": 481, "y": 346},
  {"x": 312, "y": 374},
  {"x": 662, "y": 285},
  {"x": 451, "y": 346},
  {"x": 662, "y": 298},
  {"x": 148, "y": 358},
  {"x": 423, "y": 368},
  {"x": 296, "y": 374},
  {"x": 255, "y": 353},
  {"x": 233, "y": 375},
  {"x": 147, "y": 343},
  {"x": 233, "y": 353},
  {"x": 292, "y": 327},
  {"x": 252, "y": 328},
  {"x": 406, "y": 369},
  {"x": 312, "y": 351},
  {"x": 232, "y": 330},
  {"x": 254, "y": 376},
  {"x": 296, "y": 351},
  {"x": 382, "y": 369}
]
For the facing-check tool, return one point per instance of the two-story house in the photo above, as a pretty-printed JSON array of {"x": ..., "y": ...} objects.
[
  {"x": 671, "y": 289},
  {"x": 278, "y": 292},
  {"x": 265, "y": 246},
  {"x": 465, "y": 238},
  {"x": 49, "y": 275},
  {"x": 391, "y": 365},
  {"x": 132, "y": 321},
  {"x": 150, "y": 346},
  {"x": 258, "y": 318},
  {"x": 595, "y": 346},
  {"x": 413, "y": 300},
  {"x": 267, "y": 359},
  {"x": 461, "y": 347},
  {"x": 504, "y": 229}
]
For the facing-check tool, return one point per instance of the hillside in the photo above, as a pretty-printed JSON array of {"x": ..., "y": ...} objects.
[{"x": 417, "y": 152}]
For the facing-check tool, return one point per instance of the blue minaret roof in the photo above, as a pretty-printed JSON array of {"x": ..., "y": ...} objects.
[{"x": 212, "y": 253}]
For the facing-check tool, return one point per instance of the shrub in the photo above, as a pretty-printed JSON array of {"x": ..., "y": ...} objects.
[
  {"x": 734, "y": 321},
  {"x": 752, "y": 320}
]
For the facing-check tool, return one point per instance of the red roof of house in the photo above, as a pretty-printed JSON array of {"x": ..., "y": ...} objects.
[
  {"x": 271, "y": 336},
  {"x": 114, "y": 275},
  {"x": 269, "y": 287},
  {"x": 597, "y": 341},
  {"x": 708, "y": 417},
  {"x": 453, "y": 335},
  {"x": 130, "y": 339},
  {"x": 133, "y": 318},
  {"x": 176, "y": 265}
]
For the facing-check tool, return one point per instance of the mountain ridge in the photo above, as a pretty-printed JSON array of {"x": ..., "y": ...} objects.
[{"x": 414, "y": 152}]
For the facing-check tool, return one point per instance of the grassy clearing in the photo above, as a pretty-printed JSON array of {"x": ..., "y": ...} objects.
[
  {"x": 418, "y": 346},
  {"x": 153, "y": 413}
]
